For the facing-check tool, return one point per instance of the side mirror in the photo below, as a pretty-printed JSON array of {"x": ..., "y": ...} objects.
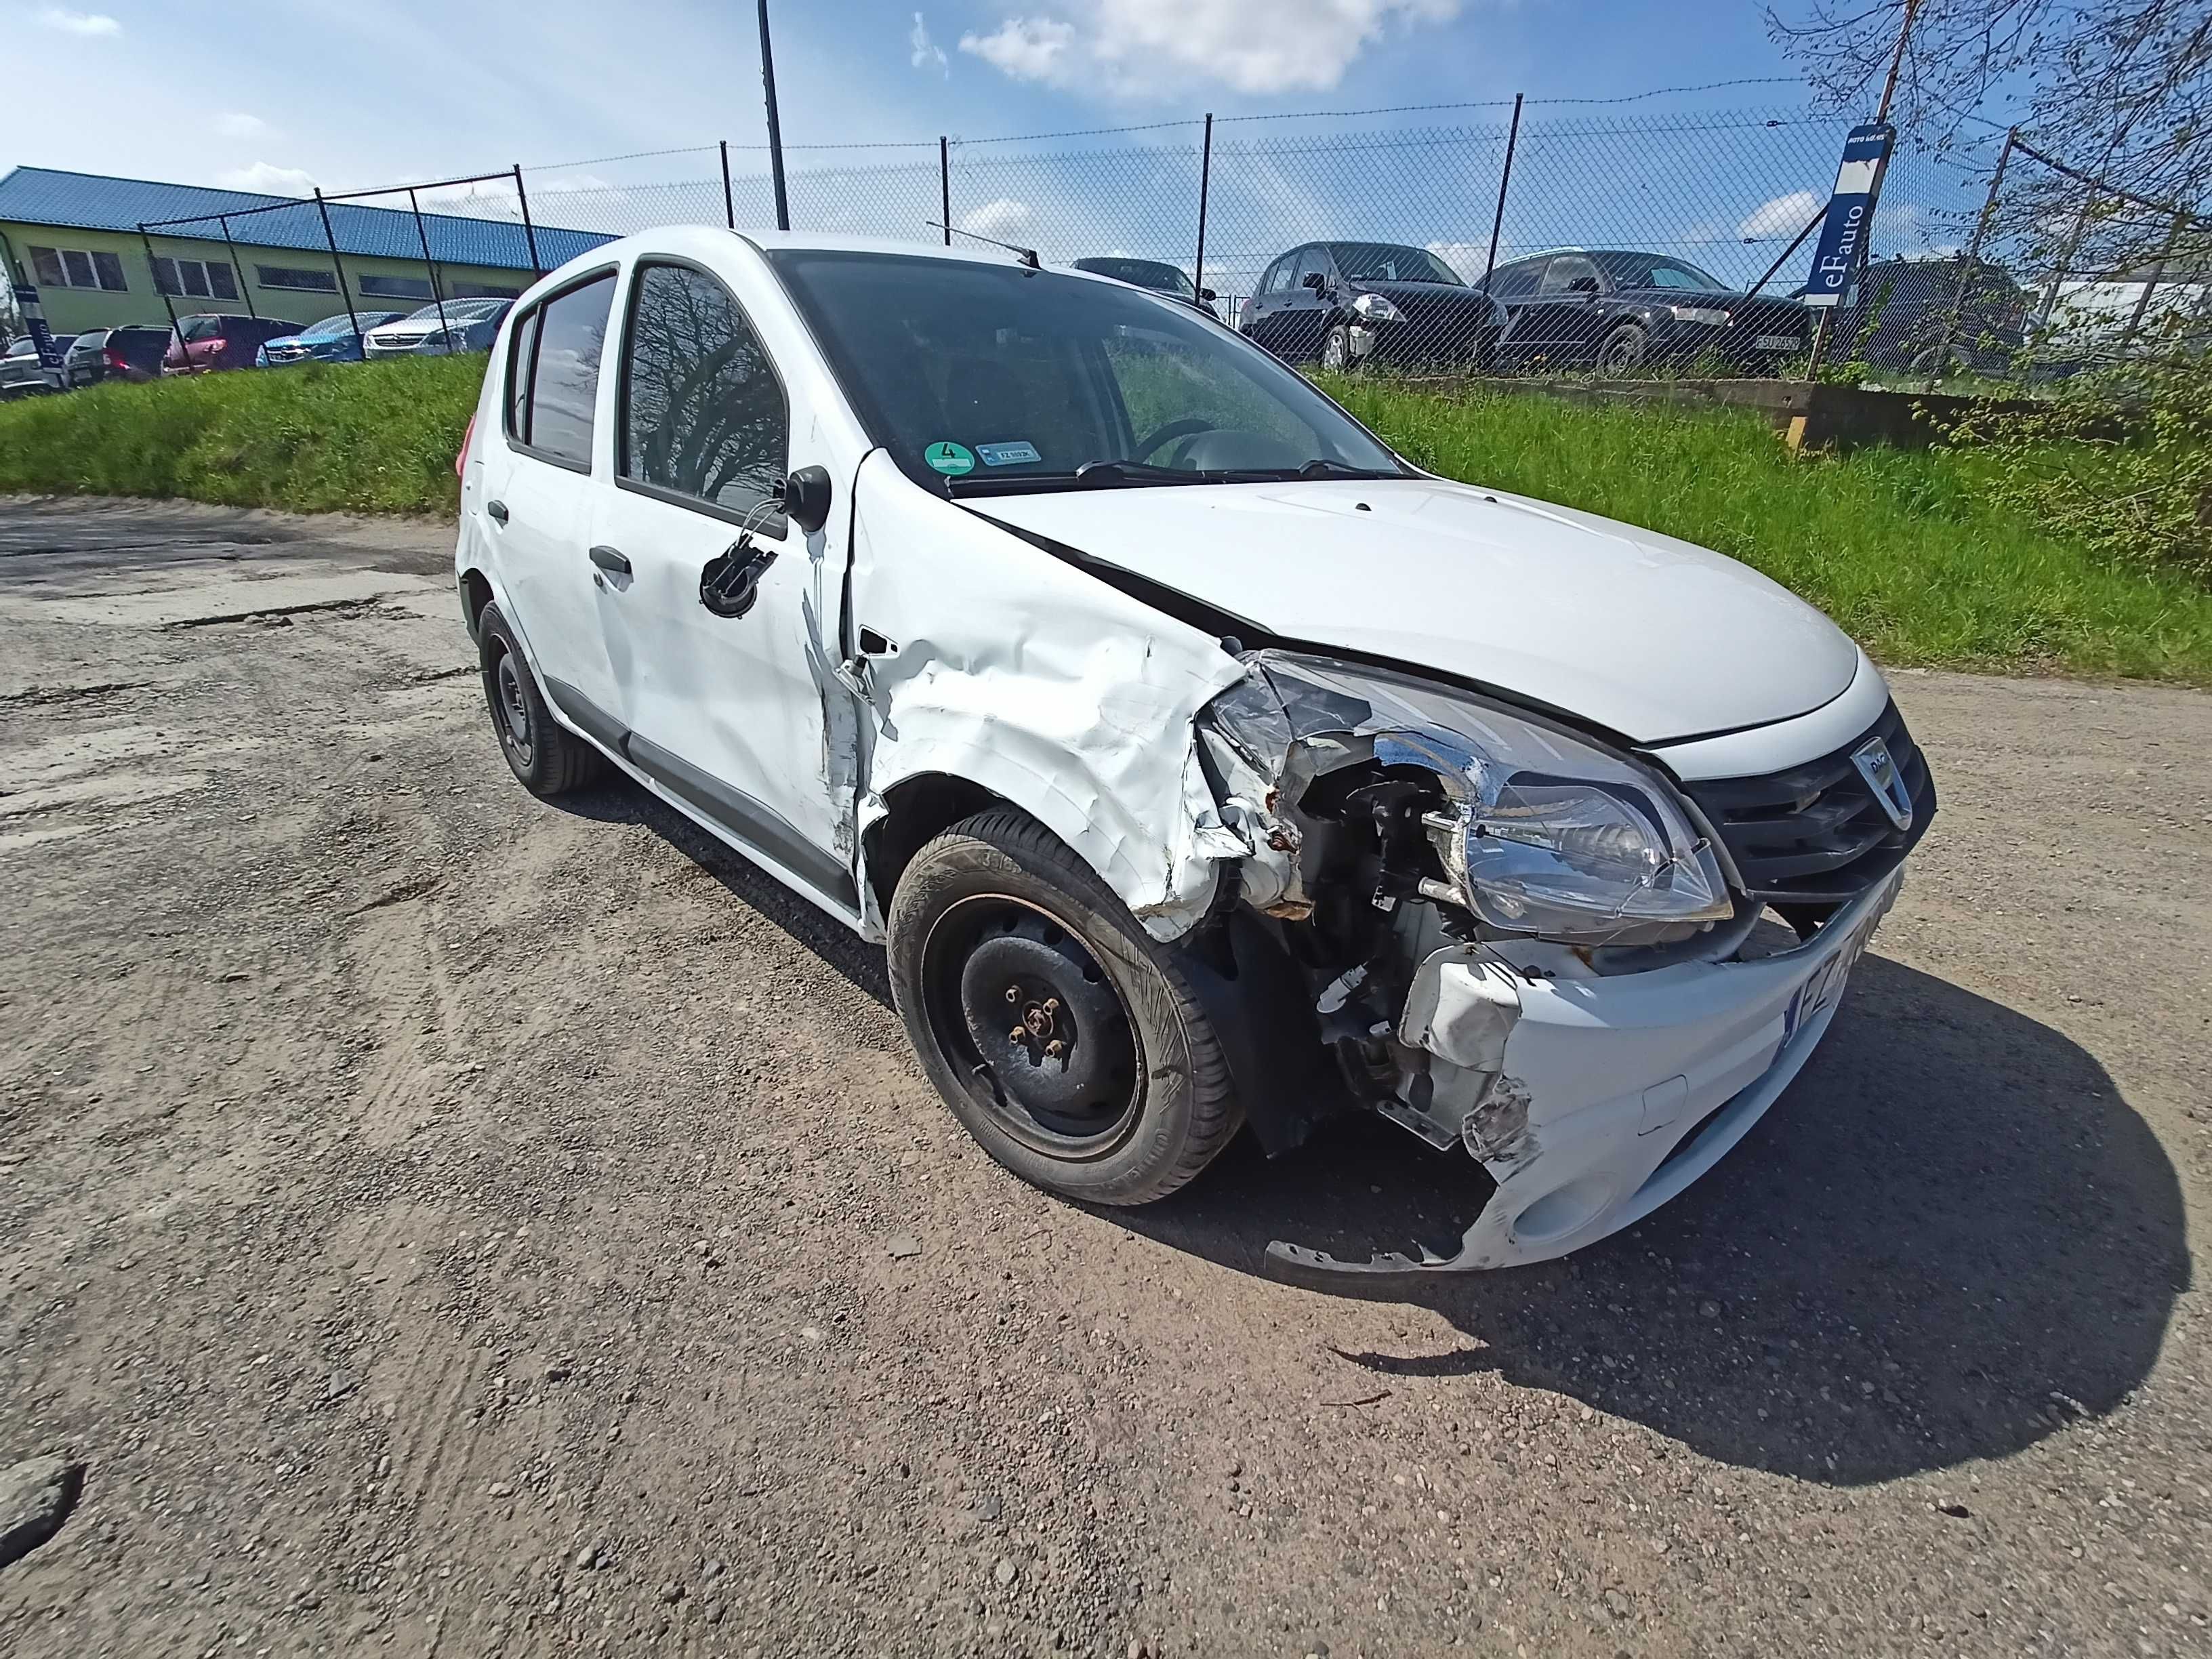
[
  {"x": 806, "y": 498},
  {"x": 1582, "y": 285},
  {"x": 1207, "y": 293},
  {"x": 1313, "y": 279}
]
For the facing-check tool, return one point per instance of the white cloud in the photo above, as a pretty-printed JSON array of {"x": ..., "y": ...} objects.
[
  {"x": 1785, "y": 216},
  {"x": 926, "y": 53},
  {"x": 996, "y": 218},
  {"x": 79, "y": 22},
  {"x": 236, "y": 124},
  {"x": 1151, "y": 46},
  {"x": 269, "y": 179}
]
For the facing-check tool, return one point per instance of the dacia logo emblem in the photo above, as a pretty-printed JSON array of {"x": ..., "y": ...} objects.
[{"x": 1875, "y": 765}]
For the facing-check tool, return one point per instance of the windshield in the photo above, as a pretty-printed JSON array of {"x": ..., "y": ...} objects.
[
  {"x": 457, "y": 311},
  {"x": 202, "y": 327},
  {"x": 986, "y": 379},
  {"x": 1143, "y": 273},
  {"x": 1384, "y": 262},
  {"x": 341, "y": 327},
  {"x": 1650, "y": 270}
]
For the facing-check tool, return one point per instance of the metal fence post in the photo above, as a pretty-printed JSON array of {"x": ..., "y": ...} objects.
[
  {"x": 154, "y": 274},
  {"x": 729, "y": 201},
  {"x": 1796, "y": 242},
  {"x": 1205, "y": 186},
  {"x": 338, "y": 265},
  {"x": 944, "y": 186},
  {"x": 430, "y": 267},
  {"x": 1505, "y": 178},
  {"x": 244, "y": 292},
  {"x": 1966, "y": 268},
  {"x": 529, "y": 233},
  {"x": 2157, "y": 275}
]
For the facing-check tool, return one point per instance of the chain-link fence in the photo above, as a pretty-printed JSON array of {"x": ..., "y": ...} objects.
[{"x": 1517, "y": 237}]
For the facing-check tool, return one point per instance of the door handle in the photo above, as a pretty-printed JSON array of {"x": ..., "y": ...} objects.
[
  {"x": 607, "y": 559},
  {"x": 497, "y": 510}
]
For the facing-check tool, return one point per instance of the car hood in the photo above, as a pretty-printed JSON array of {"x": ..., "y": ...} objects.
[{"x": 1648, "y": 636}]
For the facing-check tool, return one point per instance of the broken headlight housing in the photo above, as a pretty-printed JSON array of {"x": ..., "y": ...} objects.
[{"x": 1539, "y": 832}]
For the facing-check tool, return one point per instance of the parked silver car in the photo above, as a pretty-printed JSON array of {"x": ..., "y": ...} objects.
[{"x": 464, "y": 325}]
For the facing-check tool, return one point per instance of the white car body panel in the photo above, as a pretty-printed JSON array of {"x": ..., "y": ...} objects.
[
  {"x": 973, "y": 653},
  {"x": 1618, "y": 626}
]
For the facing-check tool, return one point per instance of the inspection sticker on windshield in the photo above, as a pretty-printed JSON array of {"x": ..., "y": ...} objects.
[
  {"x": 1005, "y": 454},
  {"x": 952, "y": 460}
]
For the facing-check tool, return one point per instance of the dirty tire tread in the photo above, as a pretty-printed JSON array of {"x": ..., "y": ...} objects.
[
  {"x": 562, "y": 761},
  {"x": 1180, "y": 1130}
]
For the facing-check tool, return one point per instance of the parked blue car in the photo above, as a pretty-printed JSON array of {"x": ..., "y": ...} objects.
[{"x": 331, "y": 341}]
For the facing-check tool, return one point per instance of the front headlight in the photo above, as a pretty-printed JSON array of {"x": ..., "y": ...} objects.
[
  {"x": 1543, "y": 833},
  {"x": 1709, "y": 315},
  {"x": 1373, "y": 308}
]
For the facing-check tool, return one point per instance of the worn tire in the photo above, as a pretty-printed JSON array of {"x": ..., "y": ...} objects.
[
  {"x": 1183, "y": 1109},
  {"x": 548, "y": 759},
  {"x": 1622, "y": 350}
]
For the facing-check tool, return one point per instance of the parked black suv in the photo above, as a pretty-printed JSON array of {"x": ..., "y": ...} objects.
[
  {"x": 1346, "y": 304},
  {"x": 1611, "y": 309},
  {"x": 1895, "y": 321},
  {"x": 1154, "y": 274},
  {"x": 132, "y": 352}
]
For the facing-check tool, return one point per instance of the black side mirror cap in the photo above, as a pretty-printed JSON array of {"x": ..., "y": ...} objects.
[
  {"x": 1207, "y": 293},
  {"x": 806, "y": 498},
  {"x": 1313, "y": 279}
]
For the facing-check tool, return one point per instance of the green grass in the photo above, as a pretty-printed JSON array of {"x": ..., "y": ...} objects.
[
  {"x": 1902, "y": 548},
  {"x": 375, "y": 437}
]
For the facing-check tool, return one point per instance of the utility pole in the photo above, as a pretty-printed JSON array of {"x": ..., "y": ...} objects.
[{"x": 775, "y": 126}]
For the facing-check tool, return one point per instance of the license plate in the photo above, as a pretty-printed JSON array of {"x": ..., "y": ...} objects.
[
  {"x": 1824, "y": 986},
  {"x": 1778, "y": 342}
]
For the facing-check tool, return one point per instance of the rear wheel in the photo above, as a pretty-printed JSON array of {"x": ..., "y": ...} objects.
[
  {"x": 548, "y": 760},
  {"x": 1059, "y": 1032},
  {"x": 1623, "y": 349}
]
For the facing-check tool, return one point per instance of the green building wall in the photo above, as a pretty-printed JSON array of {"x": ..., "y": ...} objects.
[{"x": 73, "y": 310}]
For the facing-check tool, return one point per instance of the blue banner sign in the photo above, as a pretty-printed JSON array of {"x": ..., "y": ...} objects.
[
  {"x": 34, "y": 319},
  {"x": 1843, "y": 242}
]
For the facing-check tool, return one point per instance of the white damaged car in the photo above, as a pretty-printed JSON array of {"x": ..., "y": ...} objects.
[{"x": 1199, "y": 762}]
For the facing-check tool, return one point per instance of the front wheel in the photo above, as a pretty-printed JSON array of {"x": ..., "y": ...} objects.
[
  {"x": 1336, "y": 349},
  {"x": 1623, "y": 349},
  {"x": 1062, "y": 1036}
]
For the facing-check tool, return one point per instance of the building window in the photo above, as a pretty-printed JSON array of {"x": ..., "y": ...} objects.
[
  {"x": 196, "y": 279},
  {"x": 320, "y": 282},
  {"x": 396, "y": 287},
  {"x": 70, "y": 267},
  {"x": 485, "y": 291}
]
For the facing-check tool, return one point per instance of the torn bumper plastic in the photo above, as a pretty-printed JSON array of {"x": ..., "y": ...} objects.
[{"x": 1614, "y": 1094}]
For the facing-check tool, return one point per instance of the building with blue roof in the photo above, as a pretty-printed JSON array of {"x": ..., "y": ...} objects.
[{"x": 76, "y": 238}]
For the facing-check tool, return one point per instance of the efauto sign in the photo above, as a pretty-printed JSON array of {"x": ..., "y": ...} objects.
[{"x": 1850, "y": 211}]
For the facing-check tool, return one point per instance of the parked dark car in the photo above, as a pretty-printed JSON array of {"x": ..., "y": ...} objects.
[
  {"x": 1895, "y": 319},
  {"x": 1347, "y": 305},
  {"x": 1613, "y": 309},
  {"x": 1160, "y": 278},
  {"x": 211, "y": 340},
  {"x": 21, "y": 373},
  {"x": 133, "y": 352},
  {"x": 333, "y": 340}
]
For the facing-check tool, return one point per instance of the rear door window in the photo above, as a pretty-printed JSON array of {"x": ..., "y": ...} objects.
[{"x": 553, "y": 380}]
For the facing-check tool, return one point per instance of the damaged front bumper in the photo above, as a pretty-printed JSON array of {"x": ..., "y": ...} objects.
[{"x": 1593, "y": 1100}]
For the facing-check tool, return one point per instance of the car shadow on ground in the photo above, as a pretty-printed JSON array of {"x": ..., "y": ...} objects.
[{"x": 1950, "y": 1237}]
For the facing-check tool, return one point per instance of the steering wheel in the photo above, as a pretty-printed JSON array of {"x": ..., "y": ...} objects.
[{"x": 1158, "y": 435}]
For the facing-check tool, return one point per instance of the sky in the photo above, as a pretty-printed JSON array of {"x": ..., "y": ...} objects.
[{"x": 281, "y": 95}]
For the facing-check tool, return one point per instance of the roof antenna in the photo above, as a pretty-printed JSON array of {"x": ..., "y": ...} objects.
[{"x": 1026, "y": 255}]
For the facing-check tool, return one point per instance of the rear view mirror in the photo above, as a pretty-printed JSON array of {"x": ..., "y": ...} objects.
[{"x": 806, "y": 498}]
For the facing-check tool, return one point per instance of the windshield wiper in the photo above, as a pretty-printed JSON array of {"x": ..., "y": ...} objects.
[{"x": 1115, "y": 472}]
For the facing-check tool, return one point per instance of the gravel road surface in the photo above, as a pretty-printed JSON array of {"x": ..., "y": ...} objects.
[{"x": 442, "y": 1222}]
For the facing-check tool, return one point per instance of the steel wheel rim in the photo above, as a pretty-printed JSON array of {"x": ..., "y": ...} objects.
[
  {"x": 1333, "y": 353},
  {"x": 1016, "y": 1084},
  {"x": 510, "y": 706}
]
